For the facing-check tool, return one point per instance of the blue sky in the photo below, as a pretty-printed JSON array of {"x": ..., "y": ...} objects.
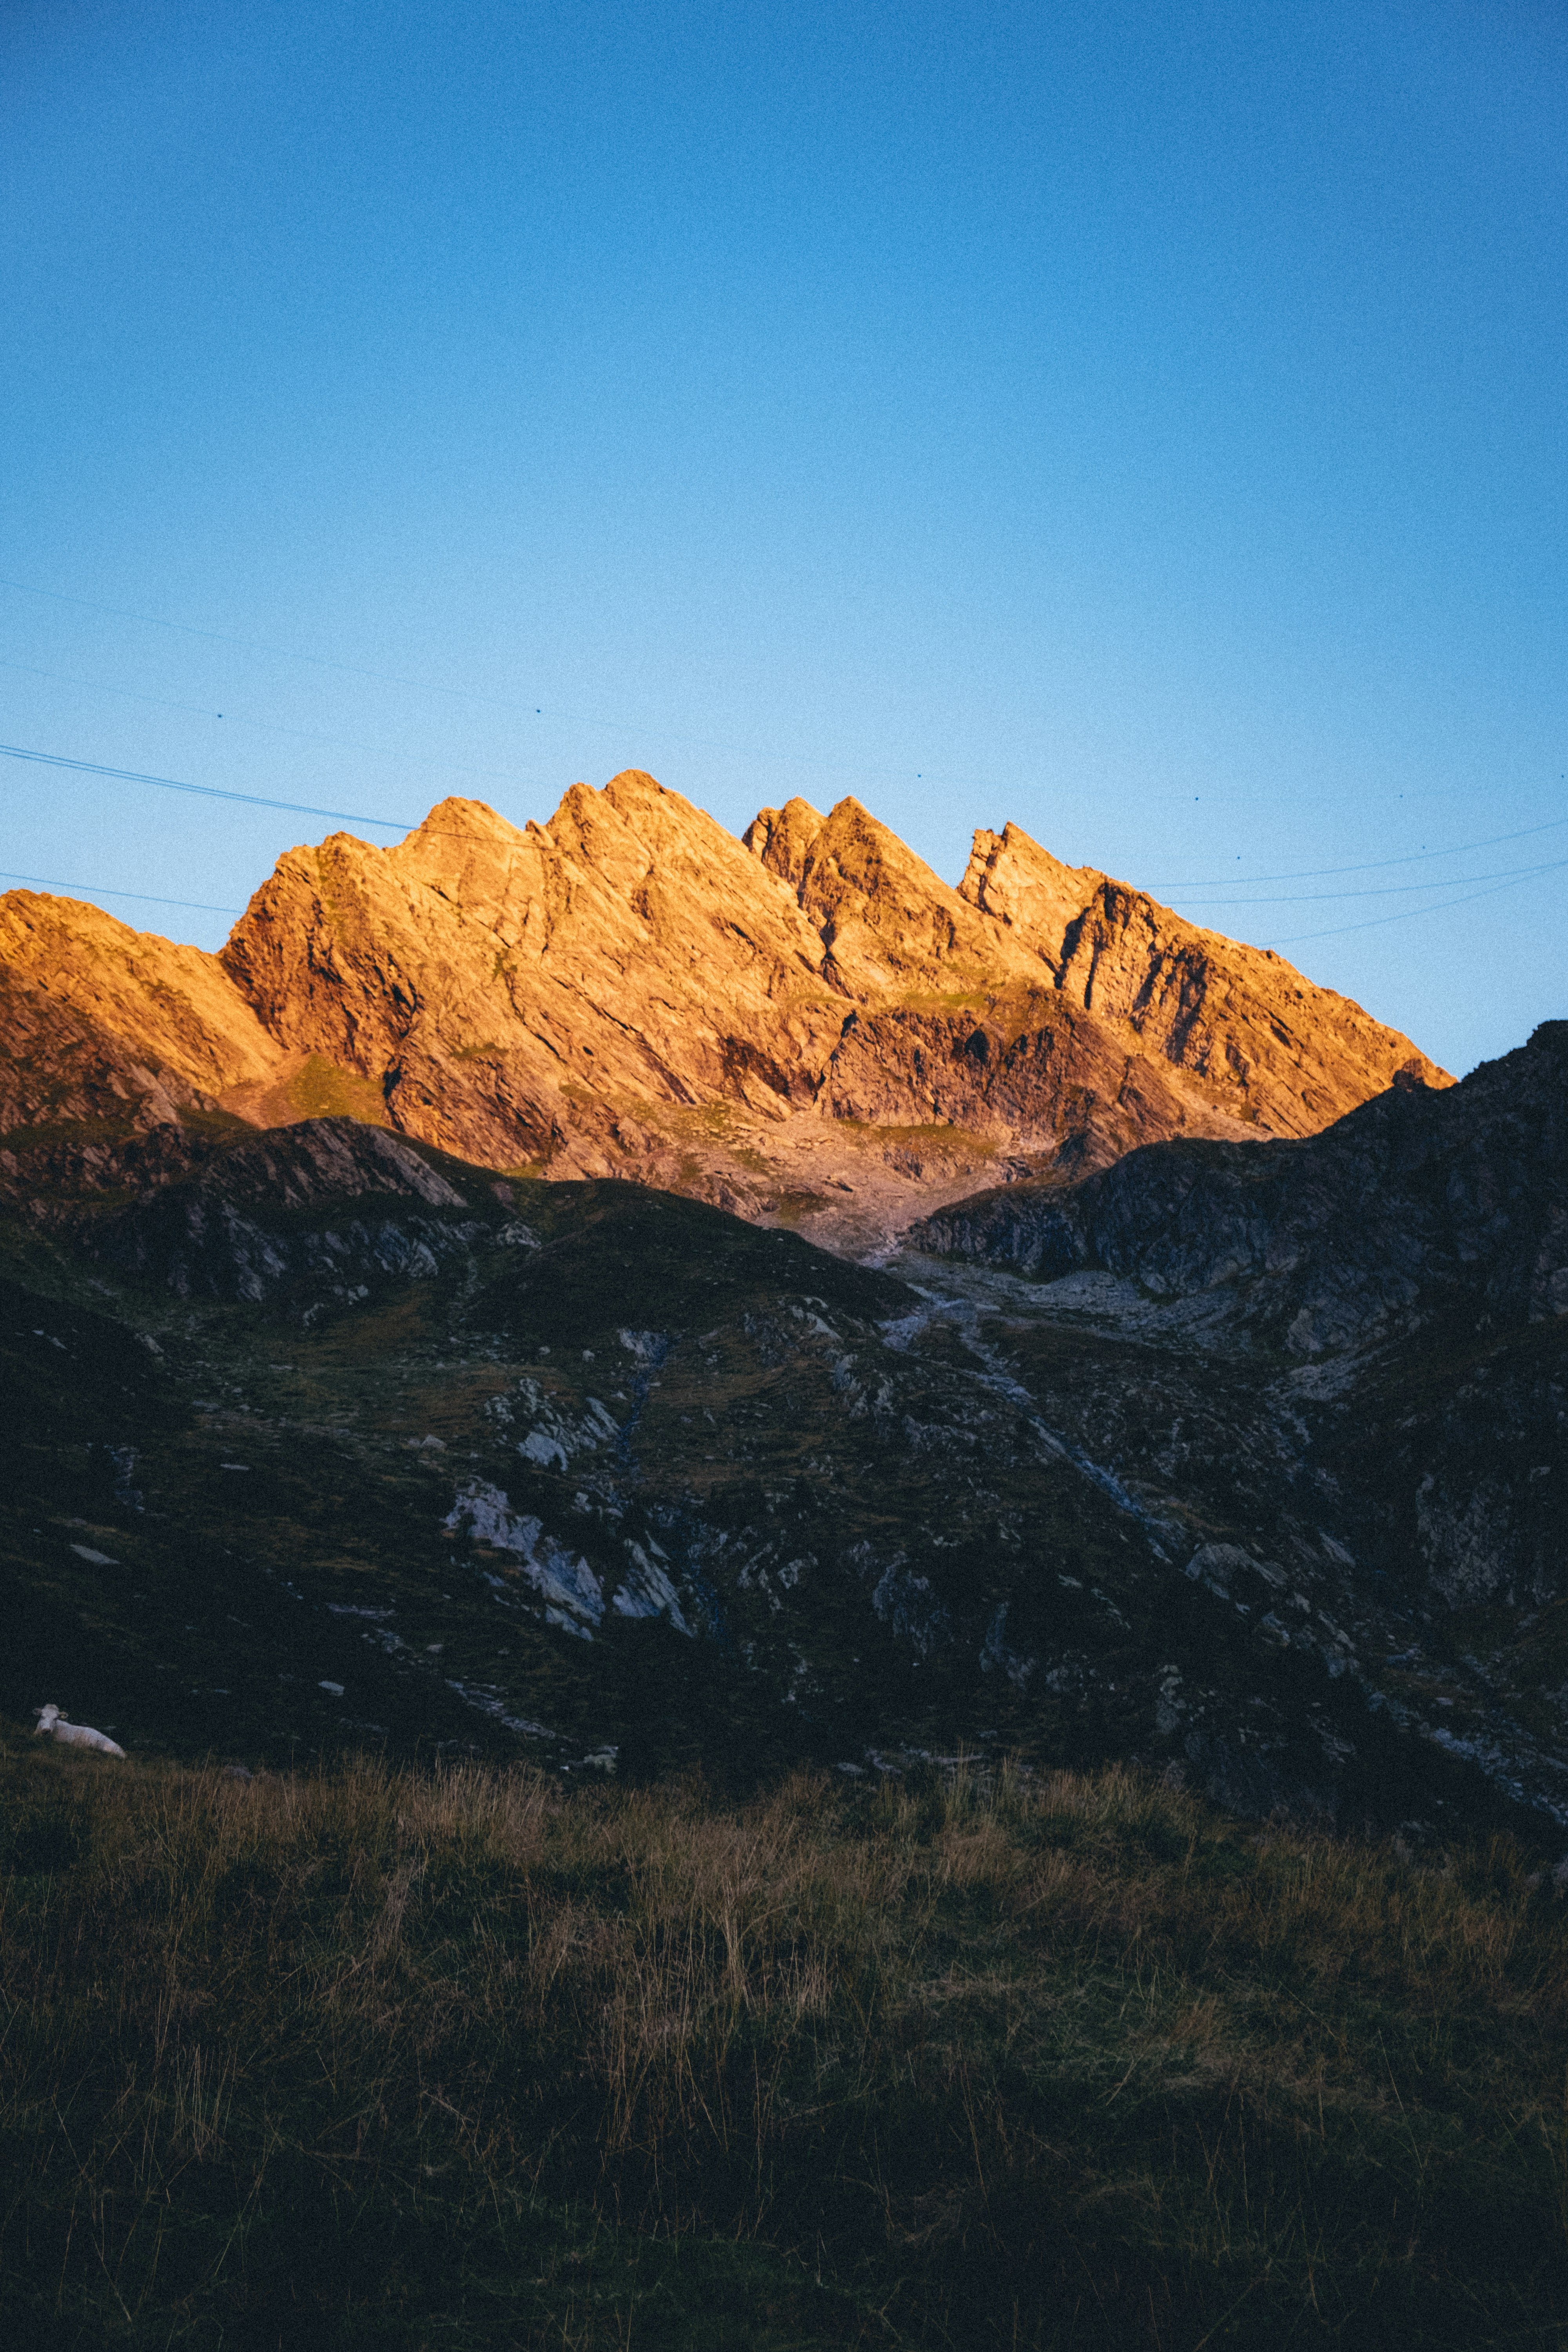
[{"x": 1145, "y": 421}]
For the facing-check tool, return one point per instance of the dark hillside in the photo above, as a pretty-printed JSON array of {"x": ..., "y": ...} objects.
[
  {"x": 1423, "y": 1198},
  {"x": 333, "y": 1439},
  {"x": 1349, "y": 1357}
]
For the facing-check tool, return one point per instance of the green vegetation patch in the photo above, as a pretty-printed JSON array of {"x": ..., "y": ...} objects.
[
  {"x": 458, "y": 2059},
  {"x": 940, "y": 1135},
  {"x": 791, "y": 1206},
  {"x": 322, "y": 1090}
]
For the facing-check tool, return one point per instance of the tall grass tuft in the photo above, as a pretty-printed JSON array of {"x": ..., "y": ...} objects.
[{"x": 459, "y": 2059}]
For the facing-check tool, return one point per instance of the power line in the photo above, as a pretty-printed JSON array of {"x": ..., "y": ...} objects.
[
  {"x": 1376, "y": 865},
  {"x": 1386, "y": 889},
  {"x": 404, "y": 824},
  {"x": 422, "y": 685},
  {"x": 206, "y": 792},
  {"x": 263, "y": 726},
  {"x": 101, "y": 890},
  {"x": 257, "y": 645},
  {"x": 1337, "y": 930},
  {"x": 584, "y": 719},
  {"x": 247, "y": 800},
  {"x": 203, "y": 906}
]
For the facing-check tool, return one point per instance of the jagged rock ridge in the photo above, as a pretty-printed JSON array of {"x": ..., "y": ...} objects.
[{"x": 631, "y": 989}]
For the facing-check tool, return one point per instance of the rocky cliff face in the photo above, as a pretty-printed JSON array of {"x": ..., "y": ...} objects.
[
  {"x": 108, "y": 1024},
  {"x": 1398, "y": 1285},
  {"x": 806, "y": 1024},
  {"x": 511, "y": 991},
  {"x": 1420, "y": 1206},
  {"x": 1278, "y": 1051}
]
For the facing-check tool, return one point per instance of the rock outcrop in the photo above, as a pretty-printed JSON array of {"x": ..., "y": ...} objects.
[
  {"x": 1424, "y": 1201},
  {"x": 248, "y": 1216},
  {"x": 109, "y": 1025},
  {"x": 512, "y": 993},
  {"x": 1394, "y": 1291},
  {"x": 808, "y": 1022},
  {"x": 1279, "y": 1051}
]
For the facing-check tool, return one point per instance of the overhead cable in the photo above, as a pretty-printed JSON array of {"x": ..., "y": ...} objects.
[
  {"x": 1385, "y": 889},
  {"x": 206, "y": 792},
  {"x": 1336, "y": 931},
  {"x": 502, "y": 702},
  {"x": 407, "y": 825},
  {"x": 262, "y": 726},
  {"x": 102, "y": 891},
  {"x": 1376, "y": 865},
  {"x": 420, "y": 686}
]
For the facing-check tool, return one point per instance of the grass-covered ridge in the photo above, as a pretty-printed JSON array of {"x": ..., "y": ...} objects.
[{"x": 463, "y": 2060}]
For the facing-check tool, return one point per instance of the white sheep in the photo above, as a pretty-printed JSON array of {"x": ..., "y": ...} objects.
[{"x": 77, "y": 1735}]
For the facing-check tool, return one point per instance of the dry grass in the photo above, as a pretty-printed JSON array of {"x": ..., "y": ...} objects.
[{"x": 460, "y": 2060}]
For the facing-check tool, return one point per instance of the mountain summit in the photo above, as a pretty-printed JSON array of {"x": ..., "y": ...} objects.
[
  {"x": 807, "y": 1022},
  {"x": 1199, "y": 1397}
]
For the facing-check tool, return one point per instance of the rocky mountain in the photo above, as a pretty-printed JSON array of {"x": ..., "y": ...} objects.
[
  {"x": 1384, "y": 1309},
  {"x": 1288, "y": 1056},
  {"x": 804, "y": 1024},
  {"x": 329, "y": 1438},
  {"x": 358, "y": 1397},
  {"x": 1421, "y": 1207},
  {"x": 110, "y": 1029}
]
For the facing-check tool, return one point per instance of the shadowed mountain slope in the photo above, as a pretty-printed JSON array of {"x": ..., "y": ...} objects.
[
  {"x": 333, "y": 1437},
  {"x": 1384, "y": 1308},
  {"x": 1420, "y": 1205}
]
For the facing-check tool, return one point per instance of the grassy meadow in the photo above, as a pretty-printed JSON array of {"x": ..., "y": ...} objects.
[{"x": 460, "y": 2059}]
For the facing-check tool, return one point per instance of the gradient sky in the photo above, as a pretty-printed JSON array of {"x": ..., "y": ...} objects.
[{"x": 1146, "y": 423}]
